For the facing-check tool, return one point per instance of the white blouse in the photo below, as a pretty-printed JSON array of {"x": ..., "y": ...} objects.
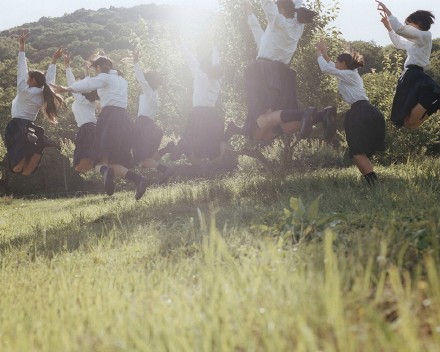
[
  {"x": 280, "y": 39},
  {"x": 29, "y": 100},
  {"x": 350, "y": 83},
  {"x": 83, "y": 109},
  {"x": 112, "y": 88},
  {"x": 417, "y": 43},
  {"x": 205, "y": 90},
  {"x": 149, "y": 99}
]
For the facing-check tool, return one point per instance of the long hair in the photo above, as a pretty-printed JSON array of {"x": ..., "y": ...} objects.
[
  {"x": 353, "y": 61},
  {"x": 52, "y": 101},
  {"x": 422, "y": 18}
]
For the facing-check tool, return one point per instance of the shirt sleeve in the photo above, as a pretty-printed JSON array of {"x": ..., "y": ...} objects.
[
  {"x": 270, "y": 10},
  {"x": 70, "y": 77},
  {"x": 408, "y": 32},
  {"x": 256, "y": 29},
  {"x": 22, "y": 72},
  {"x": 329, "y": 68},
  {"x": 140, "y": 77},
  {"x": 398, "y": 41},
  {"x": 88, "y": 85},
  {"x": 51, "y": 74},
  {"x": 215, "y": 56},
  {"x": 190, "y": 59}
]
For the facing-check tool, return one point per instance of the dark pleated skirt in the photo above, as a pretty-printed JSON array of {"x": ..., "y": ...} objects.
[
  {"x": 84, "y": 142},
  {"x": 112, "y": 140},
  {"x": 146, "y": 139},
  {"x": 364, "y": 129},
  {"x": 203, "y": 134},
  {"x": 269, "y": 85},
  {"x": 414, "y": 87},
  {"x": 21, "y": 138}
]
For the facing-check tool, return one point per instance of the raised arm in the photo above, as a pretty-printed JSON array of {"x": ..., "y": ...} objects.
[
  {"x": 139, "y": 74},
  {"x": 190, "y": 59},
  {"x": 408, "y": 32},
  {"x": 69, "y": 74},
  {"x": 22, "y": 69},
  {"x": 52, "y": 69}
]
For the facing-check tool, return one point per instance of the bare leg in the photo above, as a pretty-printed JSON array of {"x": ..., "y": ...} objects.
[
  {"x": 291, "y": 127},
  {"x": 363, "y": 163},
  {"x": 31, "y": 165},
  {"x": 269, "y": 119},
  {"x": 119, "y": 170},
  {"x": 149, "y": 163},
  {"x": 416, "y": 117},
  {"x": 19, "y": 167},
  {"x": 84, "y": 165}
]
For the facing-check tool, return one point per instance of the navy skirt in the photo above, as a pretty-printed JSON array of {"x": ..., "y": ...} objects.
[
  {"x": 112, "y": 140},
  {"x": 146, "y": 139},
  {"x": 84, "y": 141},
  {"x": 364, "y": 126},
  {"x": 21, "y": 138},
  {"x": 414, "y": 87},
  {"x": 269, "y": 85},
  {"x": 204, "y": 133}
]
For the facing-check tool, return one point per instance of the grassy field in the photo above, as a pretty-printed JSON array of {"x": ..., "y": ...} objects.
[{"x": 314, "y": 262}]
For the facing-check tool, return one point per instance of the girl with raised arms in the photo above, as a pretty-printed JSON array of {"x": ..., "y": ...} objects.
[
  {"x": 417, "y": 94},
  {"x": 26, "y": 141},
  {"x": 112, "y": 147},
  {"x": 83, "y": 109},
  {"x": 364, "y": 124}
]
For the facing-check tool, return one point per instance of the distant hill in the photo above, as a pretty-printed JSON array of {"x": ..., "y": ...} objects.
[{"x": 84, "y": 30}]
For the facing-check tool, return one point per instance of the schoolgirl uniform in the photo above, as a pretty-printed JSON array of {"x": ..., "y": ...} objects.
[
  {"x": 204, "y": 131},
  {"x": 24, "y": 138},
  {"x": 84, "y": 113},
  {"x": 364, "y": 124},
  {"x": 146, "y": 134},
  {"x": 414, "y": 85},
  {"x": 269, "y": 81},
  {"x": 112, "y": 136}
]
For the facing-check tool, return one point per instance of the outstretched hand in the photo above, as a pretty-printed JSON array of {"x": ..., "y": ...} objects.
[
  {"x": 385, "y": 21},
  {"x": 66, "y": 57},
  {"x": 382, "y": 7},
  {"x": 57, "y": 54},
  {"x": 321, "y": 47},
  {"x": 58, "y": 89},
  {"x": 21, "y": 38}
]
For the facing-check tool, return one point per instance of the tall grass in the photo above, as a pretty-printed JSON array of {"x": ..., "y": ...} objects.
[{"x": 185, "y": 270}]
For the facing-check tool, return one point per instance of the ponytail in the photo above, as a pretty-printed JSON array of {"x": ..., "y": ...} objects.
[
  {"x": 52, "y": 103},
  {"x": 352, "y": 61}
]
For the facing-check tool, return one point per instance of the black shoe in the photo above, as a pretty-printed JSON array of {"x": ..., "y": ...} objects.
[
  {"x": 309, "y": 115},
  {"x": 141, "y": 188},
  {"x": 329, "y": 122},
  {"x": 109, "y": 184},
  {"x": 45, "y": 142}
]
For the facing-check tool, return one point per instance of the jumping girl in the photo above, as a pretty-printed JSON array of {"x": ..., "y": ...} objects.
[
  {"x": 83, "y": 109},
  {"x": 26, "y": 141},
  {"x": 204, "y": 132},
  {"x": 270, "y": 82},
  {"x": 417, "y": 95},
  {"x": 147, "y": 135},
  {"x": 364, "y": 124},
  {"x": 112, "y": 147}
]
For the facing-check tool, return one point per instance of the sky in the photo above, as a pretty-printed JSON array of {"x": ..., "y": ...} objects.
[{"x": 357, "y": 20}]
